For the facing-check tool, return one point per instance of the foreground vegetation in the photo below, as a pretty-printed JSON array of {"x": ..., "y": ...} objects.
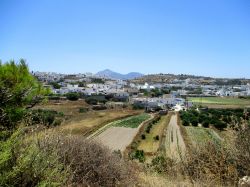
[{"x": 51, "y": 159}]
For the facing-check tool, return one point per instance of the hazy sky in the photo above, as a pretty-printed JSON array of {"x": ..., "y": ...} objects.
[{"x": 201, "y": 37}]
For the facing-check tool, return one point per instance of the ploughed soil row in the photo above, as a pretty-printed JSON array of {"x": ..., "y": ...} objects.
[{"x": 118, "y": 138}]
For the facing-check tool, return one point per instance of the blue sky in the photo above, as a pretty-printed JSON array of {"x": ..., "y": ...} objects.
[{"x": 208, "y": 37}]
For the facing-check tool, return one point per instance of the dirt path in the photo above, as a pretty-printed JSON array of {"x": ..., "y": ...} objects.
[{"x": 174, "y": 142}]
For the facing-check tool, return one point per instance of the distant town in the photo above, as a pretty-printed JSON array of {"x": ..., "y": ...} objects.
[{"x": 159, "y": 91}]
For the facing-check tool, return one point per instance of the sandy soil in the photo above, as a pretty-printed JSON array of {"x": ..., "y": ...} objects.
[
  {"x": 117, "y": 138},
  {"x": 174, "y": 141}
]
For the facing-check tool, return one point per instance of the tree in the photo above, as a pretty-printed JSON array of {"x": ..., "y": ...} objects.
[
  {"x": 19, "y": 90},
  {"x": 205, "y": 123},
  {"x": 185, "y": 122},
  {"x": 194, "y": 121},
  {"x": 220, "y": 125}
]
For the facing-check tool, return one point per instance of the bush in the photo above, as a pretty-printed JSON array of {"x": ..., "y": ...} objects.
[
  {"x": 243, "y": 150},
  {"x": 99, "y": 107},
  {"x": 220, "y": 125},
  {"x": 72, "y": 96},
  {"x": 26, "y": 163},
  {"x": 94, "y": 100},
  {"x": 143, "y": 137},
  {"x": 59, "y": 160},
  {"x": 148, "y": 129},
  {"x": 210, "y": 163},
  {"x": 185, "y": 122},
  {"x": 157, "y": 137},
  {"x": 205, "y": 124},
  {"x": 83, "y": 110},
  {"x": 138, "y": 154},
  {"x": 194, "y": 121},
  {"x": 43, "y": 117},
  {"x": 57, "y": 122},
  {"x": 161, "y": 165},
  {"x": 138, "y": 107}
]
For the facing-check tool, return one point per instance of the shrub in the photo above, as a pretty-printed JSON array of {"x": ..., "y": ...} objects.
[
  {"x": 99, "y": 107},
  {"x": 211, "y": 163},
  {"x": 43, "y": 117},
  {"x": 83, "y": 110},
  {"x": 25, "y": 163},
  {"x": 243, "y": 150},
  {"x": 220, "y": 125},
  {"x": 143, "y": 137},
  {"x": 72, "y": 96},
  {"x": 157, "y": 137},
  {"x": 57, "y": 122},
  {"x": 205, "y": 124},
  {"x": 185, "y": 122},
  {"x": 138, "y": 107},
  {"x": 161, "y": 165},
  {"x": 94, "y": 100},
  {"x": 148, "y": 128},
  {"x": 138, "y": 154},
  {"x": 59, "y": 160},
  {"x": 194, "y": 121}
]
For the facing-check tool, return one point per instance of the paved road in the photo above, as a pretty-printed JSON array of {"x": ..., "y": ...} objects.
[{"x": 174, "y": 141}]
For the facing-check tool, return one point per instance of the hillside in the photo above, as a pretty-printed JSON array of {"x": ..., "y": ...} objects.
[{"x": 114, "y": 75}]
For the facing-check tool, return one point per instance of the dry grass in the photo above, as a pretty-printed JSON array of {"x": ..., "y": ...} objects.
[
  {"x": 156, "y": 180},
  {"x": 86, "y": 163},
  {"x": 85, "y": 123},
  {"x": 69, "y": 108},
  {"x": 150, "y": 145},
  {"x": 94, "y": 120}
]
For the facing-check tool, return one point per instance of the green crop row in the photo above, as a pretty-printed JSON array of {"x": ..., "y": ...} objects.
[{"x": 131, "y": 122}]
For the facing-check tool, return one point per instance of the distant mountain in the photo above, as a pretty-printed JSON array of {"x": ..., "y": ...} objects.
[{"x": 114, "y": 75}]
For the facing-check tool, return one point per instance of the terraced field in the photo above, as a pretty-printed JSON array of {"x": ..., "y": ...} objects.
[
  {"x": 131, "y": 122},
  {"x": 119, "y": 134}
]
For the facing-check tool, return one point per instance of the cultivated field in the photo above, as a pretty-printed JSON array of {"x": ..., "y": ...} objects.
[
  {"x": 119, "y": 134},
  {"x": 200, "y": 135},
  {"x": 117, "y": 138},
  {"x": 220, "y": 102}
]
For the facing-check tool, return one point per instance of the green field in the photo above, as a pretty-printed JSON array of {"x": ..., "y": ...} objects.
[
  {"x": 200, "y": 135},
  {"x": 131, "y": 122},
  {"x": 220, "y": 101}
]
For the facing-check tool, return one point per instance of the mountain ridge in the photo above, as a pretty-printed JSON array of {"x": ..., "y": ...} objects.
[{"x": 114, "y": 75}]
